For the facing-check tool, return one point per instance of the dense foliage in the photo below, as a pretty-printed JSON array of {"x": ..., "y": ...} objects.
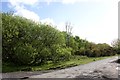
[
  {"x": 116, "y": 45},
  {"x": 25, "y": 42}
]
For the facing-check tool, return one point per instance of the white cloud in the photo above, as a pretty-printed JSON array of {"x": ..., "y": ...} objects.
[
  {"x": 69, "y": 1},
  {"x": 27, "y": 14},
  {"x": 27, "y": 2},
  {"x": 48, "y": 21},
  {"x": 21, "y": 10},
  {"x": 61, "y": 26}
]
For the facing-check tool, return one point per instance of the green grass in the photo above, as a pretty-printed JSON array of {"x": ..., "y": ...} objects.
[{"x": 78, "y": 60}]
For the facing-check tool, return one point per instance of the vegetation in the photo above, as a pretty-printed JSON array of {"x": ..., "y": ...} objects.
[
  {"x": 77, "y": 60},
  {"x": 27, "y": 43},
  {"x": 116, "y": 45}
]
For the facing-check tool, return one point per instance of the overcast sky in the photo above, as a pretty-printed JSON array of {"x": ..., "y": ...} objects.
[{"x": 94, "y": 20}]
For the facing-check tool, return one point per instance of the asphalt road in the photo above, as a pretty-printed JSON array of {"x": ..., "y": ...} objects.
[{"x": 102, "y": 69}]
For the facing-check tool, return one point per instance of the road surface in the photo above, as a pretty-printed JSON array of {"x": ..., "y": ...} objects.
[{"x": 102, "y": 69}]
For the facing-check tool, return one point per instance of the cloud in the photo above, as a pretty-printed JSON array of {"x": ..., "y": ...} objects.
[
  {"x": 27, "y": 14},
  {"x": 61, "y": 26},
  {"x": 21, "y": 10},
  {"x": 48, "y": 21},
  {"x": 69, "y": 1},
  {"x": 24, "y": 2}
]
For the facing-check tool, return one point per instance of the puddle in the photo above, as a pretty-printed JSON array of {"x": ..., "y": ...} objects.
[{"x": 116, "y": 61}]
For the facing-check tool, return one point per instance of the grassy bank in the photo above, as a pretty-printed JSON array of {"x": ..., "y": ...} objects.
[{"x": 77, "y": 60}]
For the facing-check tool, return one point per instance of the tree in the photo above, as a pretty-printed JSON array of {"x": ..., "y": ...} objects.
[
  {"x": 116, "y": 45},
  {"x": 16, "y": 39},
  {"x": 28, "y": 43},
  {"x": 68, "y": 31}
]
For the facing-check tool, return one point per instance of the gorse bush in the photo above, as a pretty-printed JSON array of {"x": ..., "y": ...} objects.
[{"x": 25, "y": 42}]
